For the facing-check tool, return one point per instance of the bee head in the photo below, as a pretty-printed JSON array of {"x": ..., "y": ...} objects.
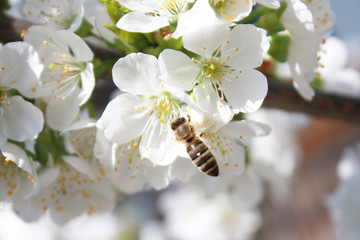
[{"x": 177, "y": 122}]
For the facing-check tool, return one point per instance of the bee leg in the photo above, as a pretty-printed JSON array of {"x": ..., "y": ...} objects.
[{"x": 189, "y": 119}]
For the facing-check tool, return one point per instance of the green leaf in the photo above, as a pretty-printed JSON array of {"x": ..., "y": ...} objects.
[
  {"x": 85, "y": 29},
  {"x": 279, "y": 47},
  {"x": 102, "y": 66},
  {"x": 49, "y": 143},
  {"x": 114, "y": 9},
  {"x": 270, "y": 20}
]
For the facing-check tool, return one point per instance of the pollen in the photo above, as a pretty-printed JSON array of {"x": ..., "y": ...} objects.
[
  {"x": 45, "y": 43},
  {"x": 2, "y": 68}
]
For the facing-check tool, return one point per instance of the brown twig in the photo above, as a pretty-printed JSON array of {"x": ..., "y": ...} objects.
[
  {"x": 280, "y": 95},
  {"x": 284, "y": 96}
]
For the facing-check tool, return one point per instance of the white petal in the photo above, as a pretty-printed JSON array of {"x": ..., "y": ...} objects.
[
  {"x": 119, "y": 122},
  {"x": 158, "y": 177},
  {"x": 246, "y": 128},
  {"x": 230, "y": 155},
  {"x": 182, "y": 169},
  {"x": 21, "y": 64},
  {"x": 138, "y": 73},
  {"x": 49, "y": 175},
  {"x": 129, "y": 172},
  {"x": 20, "y": 120},
  {"x": 75, "y": 45},
  {"x": 236, "y": 11},
  {"x": 141, "y": 6},
  {"x": 246, "y": 93},
  {"x": 246, "y": 47},
  {"x": 298, "y": 19},
  {"x": 209, "y": 102},
  {"x": 87, "y": 83},
  {"x": 200, "y": 15},
  {"x": 60, "y": 113},
  {"x": 18, "y": 156},
  {"x": 177, "y": 69},
  {"x": 102, "y": 148},
  {"x": 81, "y": 124},
  {"x": 140, "y": 22},
  {"x": 269, "y": 3},
  {"x": 158, "y": 144},
  {"x": 80, "y": 165},
  {"x": 206, "y": 40},
  {"x": 302, "y": 61},
  {"x": 249, "y": 190}
]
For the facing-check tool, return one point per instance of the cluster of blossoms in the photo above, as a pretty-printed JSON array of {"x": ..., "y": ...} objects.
[{"x": 200, "y": 60}]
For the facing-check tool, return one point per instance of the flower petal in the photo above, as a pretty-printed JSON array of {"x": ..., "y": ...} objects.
[
  {"x": 61, "y": 112},
  {"x": 200, "y": 15},
  {"x": 269, "y": 3},
  {"x": 20, "y": 120},
  {"x": 247, "y": 92},
  {"x": 142, "y": 23},
  {"x": 209, "y": 101},
  {"x": 182, "y": 169},
  {"x": 80, "y": 165},
  {"x": 177, "y": 69},
  {"x": 21, "y": 66},
  {"x": 119, "y": 122},
  {"x": 87, "y": 83},
  {"x": 158, "y": 144},
  {"x": 75, "y": 45},
  {"x": 138, "y": 74},
  {"x": 18, "y": 156},
  {"x": 207, "y": 39},
  {"x": 246, "y": 128},
  {"x": 245, "y": 47}
]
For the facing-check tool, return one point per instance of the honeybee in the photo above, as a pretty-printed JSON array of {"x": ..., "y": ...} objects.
[{"x": 198, "y": 152}]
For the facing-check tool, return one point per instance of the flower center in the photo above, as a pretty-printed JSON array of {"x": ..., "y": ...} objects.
[
  {"x": 173, "y": 8},
  {"x": 213, "y": 71},
  {"x": 63, "y": 72},
  {"x": 225, "y": 8}
]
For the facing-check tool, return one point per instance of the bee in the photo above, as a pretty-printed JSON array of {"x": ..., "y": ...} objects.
[{"x": 198, "y": 152}]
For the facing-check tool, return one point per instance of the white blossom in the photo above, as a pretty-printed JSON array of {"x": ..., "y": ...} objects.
[
  {"x": 205, "y": 13},
  {"x": 221, "y": 216},
  {"x": 336, "y": 76},
  {"x": 19, "y": 70},
  {"x": 126, "y": 169},
  {"x": 307, "y": 22},
  {"x": 150, "y": 15},
  {"x": 67, "y": 80},
  {"x": 144, "y": 120},
  {"x": 223, "y": 80},
  {"x": 55, "y": 14},
  {"x": 18, "y": 179}
]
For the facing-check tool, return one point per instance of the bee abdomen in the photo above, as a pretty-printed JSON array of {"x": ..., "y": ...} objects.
[{"x": 203, "y": 158}]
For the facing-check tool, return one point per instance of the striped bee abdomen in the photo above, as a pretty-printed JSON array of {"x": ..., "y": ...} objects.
[{"x": 202, "y": 158}]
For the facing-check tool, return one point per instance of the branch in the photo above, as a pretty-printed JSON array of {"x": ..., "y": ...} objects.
[
  {"x": 284, "y": 96},
  {"x": 280, "y": 95}
]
